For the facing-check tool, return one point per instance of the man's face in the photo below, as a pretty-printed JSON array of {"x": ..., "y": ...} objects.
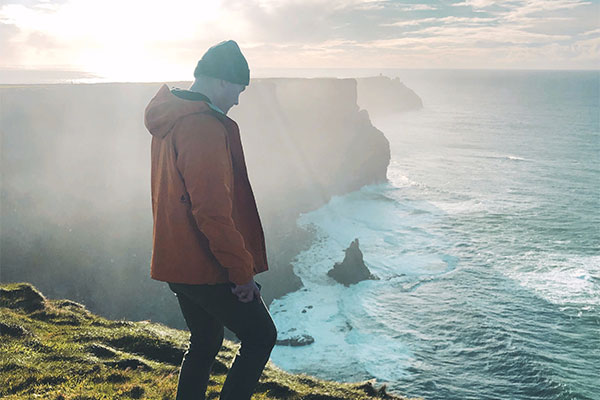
[{"x": 230, "y": 93}]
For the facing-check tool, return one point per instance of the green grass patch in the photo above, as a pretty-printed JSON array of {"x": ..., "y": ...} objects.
[{"x": 58, "y": 350}]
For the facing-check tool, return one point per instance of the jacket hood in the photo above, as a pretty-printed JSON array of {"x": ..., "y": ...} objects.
[{"x": 165, "y": 109}]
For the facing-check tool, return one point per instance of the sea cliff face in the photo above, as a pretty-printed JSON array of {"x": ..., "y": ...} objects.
[
  {"x": 75, "y": 183},
  {"x": 382, "y": 96},
  {"x": 305, "y": 141}
]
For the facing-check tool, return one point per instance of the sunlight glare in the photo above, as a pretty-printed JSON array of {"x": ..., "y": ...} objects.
[{"x": 114, "y": 36}]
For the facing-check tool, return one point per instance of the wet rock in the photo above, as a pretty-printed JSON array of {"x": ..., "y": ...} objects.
[
  {"x": 352, "y": 269},
  {"x": 300, "y": 340},
  {"x": 346, "y": 328},
  {"x": 379, "y": 392}
]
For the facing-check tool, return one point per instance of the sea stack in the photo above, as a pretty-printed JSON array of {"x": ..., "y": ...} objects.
[{"x": 352, "y": 269}]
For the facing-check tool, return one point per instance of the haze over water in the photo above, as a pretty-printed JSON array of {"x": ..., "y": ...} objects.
[{"x": 486, "y": 240}]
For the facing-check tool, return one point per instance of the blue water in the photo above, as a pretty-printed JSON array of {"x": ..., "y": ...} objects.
[{"x": 486, "y": 239}]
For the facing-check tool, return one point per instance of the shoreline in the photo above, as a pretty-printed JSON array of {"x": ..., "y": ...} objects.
[{"x": 73, "y": 353}]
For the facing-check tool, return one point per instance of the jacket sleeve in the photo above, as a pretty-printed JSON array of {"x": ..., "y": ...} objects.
[{"x": 204, "y": 161}]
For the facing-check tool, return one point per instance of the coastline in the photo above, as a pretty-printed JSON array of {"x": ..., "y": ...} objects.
[{"x": 74, "y": 354}]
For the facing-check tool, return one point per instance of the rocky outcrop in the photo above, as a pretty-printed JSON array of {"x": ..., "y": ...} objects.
[
  {"x": 300, "y": 340},
  {"x": 22, "y": 296},
  {"x": 382, "y": 96},
  {"x": 352, "y": 269}
]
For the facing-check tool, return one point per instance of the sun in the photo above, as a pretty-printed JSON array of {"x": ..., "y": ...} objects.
[{"x": 113, "y": 38}]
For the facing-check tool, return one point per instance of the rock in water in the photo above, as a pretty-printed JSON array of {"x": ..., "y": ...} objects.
[
  {"x": 301, "y": 340},
  {"x": 353, "y": 268}
]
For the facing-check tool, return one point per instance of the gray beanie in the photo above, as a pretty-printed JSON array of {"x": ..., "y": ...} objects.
[{"x": 224, "y": 61}]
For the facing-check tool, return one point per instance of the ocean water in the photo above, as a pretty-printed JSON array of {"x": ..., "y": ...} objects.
[{"x": 486, "y": 240}]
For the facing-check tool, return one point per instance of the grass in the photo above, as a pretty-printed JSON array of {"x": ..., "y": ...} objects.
[{"x": 58, "y": 350}]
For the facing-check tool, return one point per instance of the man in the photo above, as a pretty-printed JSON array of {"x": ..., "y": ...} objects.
[{"x": 208, "y": 241}]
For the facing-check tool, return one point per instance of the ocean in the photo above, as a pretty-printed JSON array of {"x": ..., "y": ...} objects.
[{"x": 486, "y": 240}]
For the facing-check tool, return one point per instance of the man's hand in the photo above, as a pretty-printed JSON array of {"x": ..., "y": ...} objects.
[{"x": 247, "y": 292}]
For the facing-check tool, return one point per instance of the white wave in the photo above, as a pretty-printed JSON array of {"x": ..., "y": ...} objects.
[
  {"x": 560, "y": 279},
  {"x": 348, "y": 344},
  {"x": 351, "y": 338},
  {"x": 397, "y": 178},
  {"x": 461, "y": 206},
  {"x": 502, "y": 157}
]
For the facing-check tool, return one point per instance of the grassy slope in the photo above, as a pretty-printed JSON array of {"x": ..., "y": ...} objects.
[{"x": 56, "y": 349}]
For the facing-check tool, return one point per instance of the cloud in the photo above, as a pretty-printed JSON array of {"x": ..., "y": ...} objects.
[
  {"x": 418, "y": 7},
  {"x": 110, "y": 36},
  {"x": 484, "y": 35},
  {"x": 592, "y": 32},
  {"x": 8, "y": 47},
  {"x": 443, "y": 21},
  {"x": 93, "y": 34},
  {"x": 476, "y": 3},
  {"x": 587, "y": 49}
]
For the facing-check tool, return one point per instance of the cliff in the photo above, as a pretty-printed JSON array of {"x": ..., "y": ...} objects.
[
  {"x": 382, "y": 96},
  {"x": 306, "y": 140},
  {"x": 57, "y": 349},
  {"x": 352, "y": 269},
  {"x": 75, "y": 199}
]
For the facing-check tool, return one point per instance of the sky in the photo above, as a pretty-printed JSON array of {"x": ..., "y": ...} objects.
[{"x": 148, "y": 39}]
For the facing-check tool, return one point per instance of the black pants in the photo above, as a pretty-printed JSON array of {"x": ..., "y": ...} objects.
[{"x": 207, "y": 309}]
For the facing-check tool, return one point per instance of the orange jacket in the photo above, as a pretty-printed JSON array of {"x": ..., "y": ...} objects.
[{"x": 206, "y": 224}]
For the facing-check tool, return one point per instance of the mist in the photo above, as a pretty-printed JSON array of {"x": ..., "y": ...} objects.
[{"x": 75, "y": 199}]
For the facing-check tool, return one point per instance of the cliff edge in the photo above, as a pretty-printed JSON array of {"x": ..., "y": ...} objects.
[
  {"x": 57, "y": 349},
  {"x": 382, "y": 95}
]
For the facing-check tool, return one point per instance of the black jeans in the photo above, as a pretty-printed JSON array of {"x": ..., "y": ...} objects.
[{"x": 206, "y": 310}]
